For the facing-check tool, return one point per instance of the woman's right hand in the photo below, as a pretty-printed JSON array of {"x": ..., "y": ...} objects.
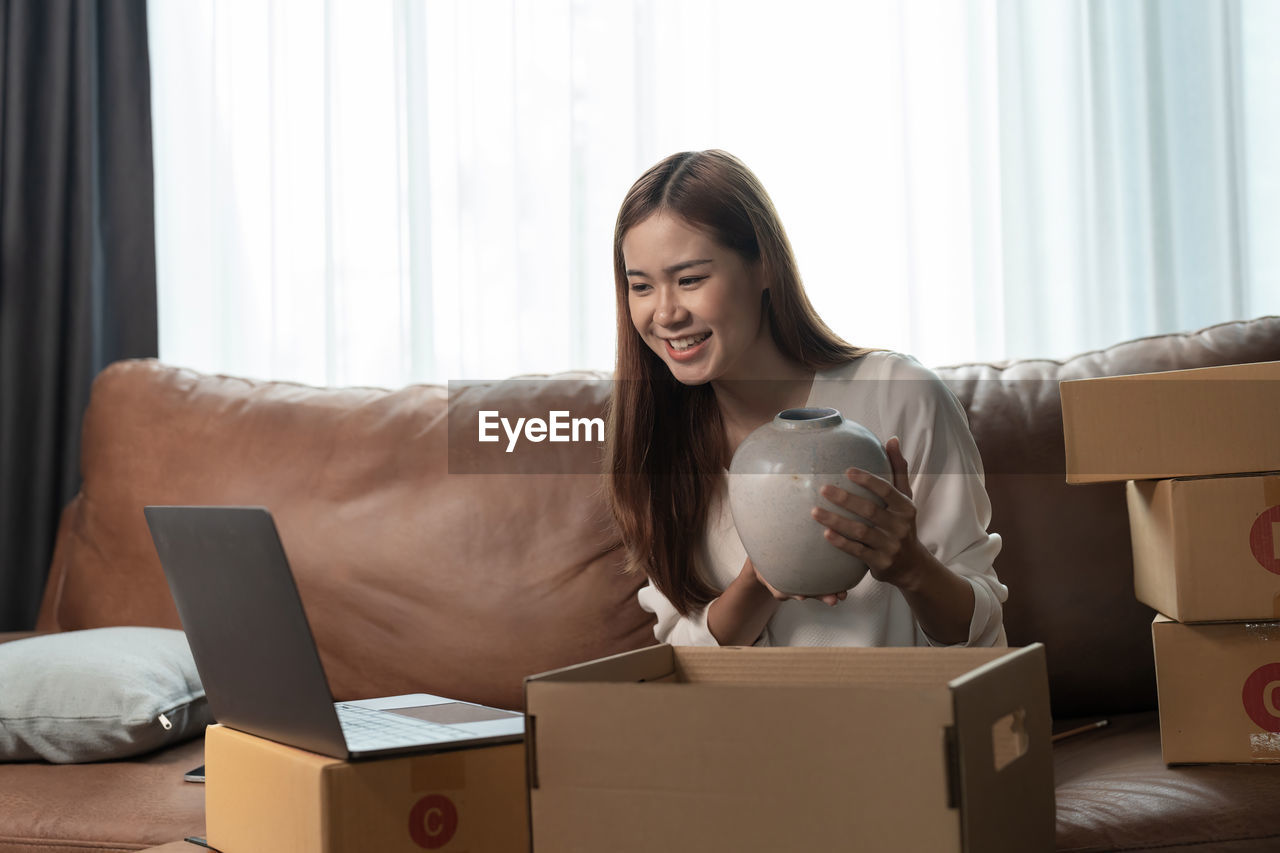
[{"x": 830, "y": 599}]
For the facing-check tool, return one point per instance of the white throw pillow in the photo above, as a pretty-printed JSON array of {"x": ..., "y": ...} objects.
[{"x": 98, "y": 694}]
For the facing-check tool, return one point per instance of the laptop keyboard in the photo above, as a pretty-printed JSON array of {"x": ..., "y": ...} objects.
[{"x": 366, "y": 729}]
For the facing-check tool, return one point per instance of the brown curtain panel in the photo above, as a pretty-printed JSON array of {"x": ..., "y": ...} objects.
[{"x": 77, "y": 253}]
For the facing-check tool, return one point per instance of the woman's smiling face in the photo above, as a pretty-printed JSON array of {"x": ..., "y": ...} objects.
[{"x": 694, "y": 302}]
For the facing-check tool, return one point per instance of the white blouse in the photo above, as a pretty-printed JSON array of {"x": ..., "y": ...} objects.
[{"x": 893, "y": 395}]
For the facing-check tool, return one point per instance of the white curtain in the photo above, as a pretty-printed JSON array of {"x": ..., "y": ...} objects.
[{"x": 389, "y": 191}]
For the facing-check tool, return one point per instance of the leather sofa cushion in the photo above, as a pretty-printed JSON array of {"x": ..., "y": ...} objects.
[
  {"x": 1114, "y": 792},
  {"x": 113, "y": 805},
  {"x": 414, "y": 578}
]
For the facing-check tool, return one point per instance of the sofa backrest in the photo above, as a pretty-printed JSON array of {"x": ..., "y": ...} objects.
[
  {"x": 414, "y": 579},
  {"x": 420, "y": 573}
]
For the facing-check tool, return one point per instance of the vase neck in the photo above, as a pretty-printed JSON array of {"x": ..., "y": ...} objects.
[{"x": 807, "y": 418}]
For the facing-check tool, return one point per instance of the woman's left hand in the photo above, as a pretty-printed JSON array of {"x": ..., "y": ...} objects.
[{"x": 887, "y": 542}]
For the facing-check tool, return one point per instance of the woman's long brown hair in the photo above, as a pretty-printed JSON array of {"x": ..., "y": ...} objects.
[{"x": 665, "y": 445}]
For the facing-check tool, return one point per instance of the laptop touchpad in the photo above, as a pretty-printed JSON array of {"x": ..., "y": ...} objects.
[{"x": 453, "y": 712}]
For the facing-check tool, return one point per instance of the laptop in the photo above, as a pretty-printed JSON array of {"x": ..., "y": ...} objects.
[{"x": 257, "y": 657}]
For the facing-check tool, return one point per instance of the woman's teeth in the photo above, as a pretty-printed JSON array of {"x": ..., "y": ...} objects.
[{"x": 682, "y": 344}]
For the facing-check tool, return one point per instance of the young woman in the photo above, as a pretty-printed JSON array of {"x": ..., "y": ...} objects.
[{"x": 715, "y": 337}]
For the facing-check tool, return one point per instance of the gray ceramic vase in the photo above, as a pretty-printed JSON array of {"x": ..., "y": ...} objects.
[{"x": 774, "y": 480}]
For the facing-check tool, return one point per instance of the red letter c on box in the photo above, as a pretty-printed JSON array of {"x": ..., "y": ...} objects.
[
  {"x": 1262, "y": 697},
  {"x": 433, "y": 820},
  {"x": 1262, "y": 539}
]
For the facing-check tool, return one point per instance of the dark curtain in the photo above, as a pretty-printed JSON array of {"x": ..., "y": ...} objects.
[{"x": 77, "y": 257}]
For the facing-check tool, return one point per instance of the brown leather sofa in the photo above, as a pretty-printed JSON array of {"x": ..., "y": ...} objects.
[{"x": 420, "y": 573}]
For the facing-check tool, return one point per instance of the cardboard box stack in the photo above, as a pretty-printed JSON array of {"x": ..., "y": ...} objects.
[{"x": 1200, "y": 451}]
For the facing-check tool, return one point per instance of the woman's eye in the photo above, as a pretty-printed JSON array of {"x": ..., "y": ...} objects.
[
  {"x": 693, "y": 279},
  {"x": 639, "y": 287}
]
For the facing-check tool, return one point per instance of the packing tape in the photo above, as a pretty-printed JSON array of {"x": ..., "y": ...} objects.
[
  {"x": 1262, "y": 630},
  {"x": 445, "y": 771},
  {"x": 1265, "y": 746},
  {"x": 1271, "y": 490}
]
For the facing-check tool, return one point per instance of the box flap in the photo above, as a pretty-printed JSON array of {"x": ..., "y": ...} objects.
[
  {"x": 1004, "y": 756},
  {"x": 651, "y": 663}
]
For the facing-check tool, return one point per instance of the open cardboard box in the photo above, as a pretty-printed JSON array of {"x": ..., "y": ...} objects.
[
  {"x": 1179, "y": 423},
  {"x": 1219, "y": 690},
  {"x": 265, "y": 797},
  {"x": 706, "y": 749},
  {"x": 1207, "y": 549}
]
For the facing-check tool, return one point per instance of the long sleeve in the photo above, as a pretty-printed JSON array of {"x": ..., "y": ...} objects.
[
  {"x": 948, "y": 488},
  {"x": 672, "y": 627}
]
